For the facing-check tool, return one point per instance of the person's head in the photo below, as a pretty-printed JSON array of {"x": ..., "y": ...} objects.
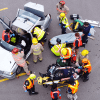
[
  {"x": 34, "y": 41},
  {"x": 7, "y": 30},
  {"x": 32, "y": 76},
  {"x": 15, "y": 50},
  {"x": 62, "y": 3},
  {"x": 54, "y": 86},
  {"x": 64, "y": 51},
  {"x": 77, "y": 35},
  {"x": 86, "y": 24},
  {"x": 58, "y": 41},
  {"x": 62, "y": 15},
  {"x": 84, "y": 52}
]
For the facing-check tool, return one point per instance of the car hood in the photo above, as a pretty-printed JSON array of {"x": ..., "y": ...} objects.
[{"x": 6, "y": 60}]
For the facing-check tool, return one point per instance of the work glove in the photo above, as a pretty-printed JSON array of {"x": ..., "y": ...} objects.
[
  {"x": 61, "y": 58},
  {"x": 80, "y": 67},
  {"x": 59, "y": 89},
  {"x": 66, "y": 41},
  {"x": 12, "y": 35},
  {"x": 25, "y": 90},
  {"x": 64, "y": 27},
  {"x": 59, "y": 24}
]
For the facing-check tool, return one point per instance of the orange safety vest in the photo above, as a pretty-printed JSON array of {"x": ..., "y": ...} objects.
[
  {"x": 79, "y": 42},
  {"x": 52, "y": 94},
  {"x": 3, "y": 34},
  {"x": 31, "y": 83},
  {"x": 69, "y": 53},
  {"x": 16, "y": 58},
  {"x": 88, "y": 66},
  {"x": 74, "y": 88}
]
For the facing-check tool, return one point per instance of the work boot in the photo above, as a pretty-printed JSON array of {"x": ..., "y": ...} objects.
[
  {"x": 42, "y": 75},
  {"x": 34, "y": 92},
  {"x": 84, "y": 80}
]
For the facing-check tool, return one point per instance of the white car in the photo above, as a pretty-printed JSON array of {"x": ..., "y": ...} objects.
[{"x": 27, "y": 19}]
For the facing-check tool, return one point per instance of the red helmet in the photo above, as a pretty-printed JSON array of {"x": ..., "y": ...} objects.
[
  {"x": 62, "y": 2},
  {"x": 15, "y": 50}
]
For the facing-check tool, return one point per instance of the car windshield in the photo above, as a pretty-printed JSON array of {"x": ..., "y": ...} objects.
[
  {"x": 7, "y": 46},
  {"x": 27, "y": 15}
]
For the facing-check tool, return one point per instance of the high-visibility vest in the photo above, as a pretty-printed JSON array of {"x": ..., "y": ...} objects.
[
  {"x": 31, "y": 83},
  {"x": 16, "y": 58},
  {"x": 74, "y": 88},
  {"x": 52, "y": 94},
  {"x": 88, "y": 66},
  {"x": 69, "y": 53},
  {"x": 3, "y": 34},
  {"x": 56, "y": 48},
  {"x": 79, "y": 42},
  {"x": 64, "y": 20},
  {"x": 40, "y": 33}
]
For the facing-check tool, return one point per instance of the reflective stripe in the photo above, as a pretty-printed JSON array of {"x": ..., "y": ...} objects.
[
  {"x": 22, "y": 64},
  {"x": 88, "y": 66},
  {"x": 37, "y": 53},
  {"x": 31, "y": 83},
  {"x": 58, "y": 48},
  {"x": 16, "y": 58},
  {"x": 75, "y": 87}
]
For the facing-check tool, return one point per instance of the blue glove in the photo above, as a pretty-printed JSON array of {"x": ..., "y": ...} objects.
[
  {"x": 25, "y": 90},
  {"x": 66, "y": 41},
  {"x": 13, "y": 34},
  {"x": 80, "y": 67},
  {"x": 64, "y": 27},
  {"x": 59, "y": 89},
  {"x": 59, "y": 94},
  {"x": 61, "y": 58},
  {"x": 59, "y": 24}
]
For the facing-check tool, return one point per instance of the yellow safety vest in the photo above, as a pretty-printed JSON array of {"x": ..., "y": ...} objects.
[
  {"x": 40, "y": 33},
  {"x": 56, "y": 48},
  {"x": 64, "y": 20}
]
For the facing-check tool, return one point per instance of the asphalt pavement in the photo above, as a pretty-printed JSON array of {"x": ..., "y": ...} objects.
[{"x": 88, "y": 9}]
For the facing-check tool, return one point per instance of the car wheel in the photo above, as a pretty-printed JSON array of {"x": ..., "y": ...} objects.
[{"x": 18, "y": 70}]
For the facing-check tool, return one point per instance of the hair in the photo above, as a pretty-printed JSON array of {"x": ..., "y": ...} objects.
[
  {"x": 7, "y": 30},
  {"x": 54, "y": 86},
  {"x": 77, "y": 34},
  {"x": 86, "y": 23}
]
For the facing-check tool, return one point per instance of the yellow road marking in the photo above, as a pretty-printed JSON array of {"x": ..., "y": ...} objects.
[
  {"x": 5, "y": 79},
  {"x": 3, "y": 9}
]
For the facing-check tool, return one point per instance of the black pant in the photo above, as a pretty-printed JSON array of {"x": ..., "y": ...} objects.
[
  {"x": 63, "y": 29},
  {"x": 86, "y": 75},
  {"x": 54, "y": 99},
  {"x": 31, "y": 90}
]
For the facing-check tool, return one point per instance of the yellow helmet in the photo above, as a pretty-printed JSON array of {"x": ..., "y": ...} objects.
[
  {"x": 84, "y": 60},
  {"x": 84, "y": 52},
  {"x": 62, "y": 15},
  {"x": 34, "y": 41},
  {"x": 64, "y": 51},
  {"x": 32, "y": 76}
]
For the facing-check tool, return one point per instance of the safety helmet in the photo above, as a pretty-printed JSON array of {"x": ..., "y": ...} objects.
[
  {"x": 34, "y": 41},
  {"x": 62, "y": 2},
  {"x": 84, "y": 60},
  {"x": 64, "y": 51},
  {"x": 62, "y": 15},
  {"x": 58, "y": 40},
  {"x": 15, "y": 50},
  {"x": 32, "y": 76},
  {"x": 84, "y": 52}
]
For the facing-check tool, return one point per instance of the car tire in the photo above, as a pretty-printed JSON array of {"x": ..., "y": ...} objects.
[{"x": 18, "y": 70}]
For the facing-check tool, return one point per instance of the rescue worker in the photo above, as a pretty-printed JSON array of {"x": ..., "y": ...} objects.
[
  {"x": 86, "y": 69},
  {"x": 36, "y": 49},
  {"x": 63, "y": 23},
  {"x": 18, "y": 57},
  {"x": 6, "y": 35},
  {"x": 29, "y": 84},
  {"x": 72, "y": 89},
  {"x": 77, "y": 43},
  {"x": 80, "y": 56},
  {"x": 55, "y": 92},
  {"x": 39, "y": 34},
  {"x": 56, "y": 48},
  {"x": 62, "y": 8},
  {"x": 86, "y": 30},
  {"x": 66, "y": 54}
]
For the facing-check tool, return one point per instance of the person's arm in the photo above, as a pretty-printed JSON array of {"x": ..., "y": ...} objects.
[
  {"x": 64, "y": 79},
  {"x": 41, "y": 47}
]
